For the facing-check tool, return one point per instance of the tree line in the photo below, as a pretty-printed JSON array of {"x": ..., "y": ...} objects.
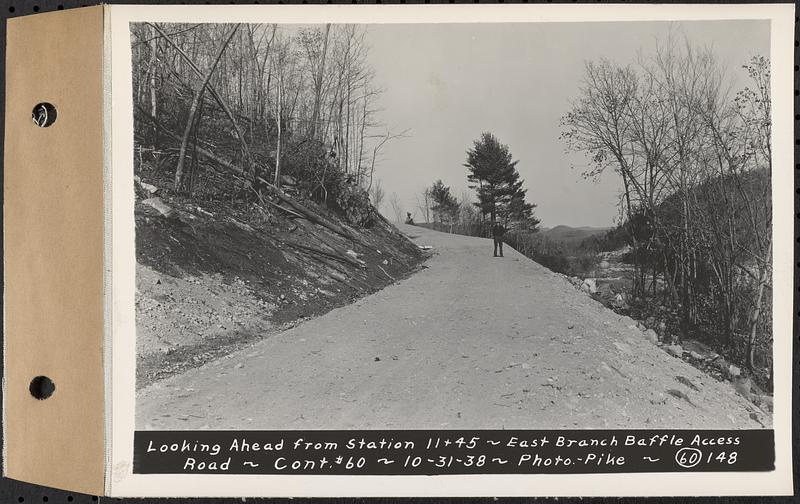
[
  {"x": 695, "y": 161},
  {"x": 222, "y": 109}
]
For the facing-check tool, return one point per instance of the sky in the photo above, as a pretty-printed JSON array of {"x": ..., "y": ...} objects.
[{"x": 448, "y": 83}]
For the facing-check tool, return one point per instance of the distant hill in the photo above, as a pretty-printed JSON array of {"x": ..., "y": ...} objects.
[{"x": 571, "y": 234}]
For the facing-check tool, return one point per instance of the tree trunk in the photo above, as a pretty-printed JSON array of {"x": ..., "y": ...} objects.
[
  {"x": 153, "y": 102},
  {"x": 198, "y": 95},
  {"x": 293, "y": 204},
  {"x": 762, "y": 281},
  {"x": 280, "y": 130},
  {"x": 318, "y": 90},
  {"x": 214, "y": 93}
]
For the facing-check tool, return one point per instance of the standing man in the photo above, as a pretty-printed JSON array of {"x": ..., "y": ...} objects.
[{"x": 497, "y": 233}]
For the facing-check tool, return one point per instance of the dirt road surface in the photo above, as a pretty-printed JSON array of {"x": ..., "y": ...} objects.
[{"x": 470, "y": 342}]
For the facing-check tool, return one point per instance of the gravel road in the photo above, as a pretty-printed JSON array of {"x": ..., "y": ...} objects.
[{"x": 469, "y": 342}]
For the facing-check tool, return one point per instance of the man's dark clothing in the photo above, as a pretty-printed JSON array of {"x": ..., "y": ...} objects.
[{"x": 497, "y": 233}]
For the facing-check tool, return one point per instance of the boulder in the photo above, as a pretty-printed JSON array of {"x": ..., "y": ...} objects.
[
  {"x": 604, "y": 264},
  {"x": 734, "y": 371},
  {"x": 148, "y": 187},
  {"x": 651, "y": 336},
  {"x": 144, "y": 185},
  {"x": 721, "y": 364},
  {"x": 694, "y": 355},
  {"x": 159, "y": 205},
  {"x": 675, "y": 350},
  {"x": 589, "y": 286},
  {"x": 742, "y": 386}
]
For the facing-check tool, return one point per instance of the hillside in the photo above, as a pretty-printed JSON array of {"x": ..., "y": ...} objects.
[
  {"x": 214, "y": 277},
  {"x": 571, "y": 234}
]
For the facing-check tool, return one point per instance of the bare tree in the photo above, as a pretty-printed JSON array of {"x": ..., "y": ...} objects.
[
  {"x": 424, "y": 201},
  {"x": 377, "y": 194},
  {"x": 397, "y": 207},
  {"x": 198, "y": 95},
  {"x": 695, "y": 165}
]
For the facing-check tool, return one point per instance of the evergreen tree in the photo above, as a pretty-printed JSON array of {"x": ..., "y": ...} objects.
[
  {"x": 444, "y": 203},
  {"x": 520, "y": 212},
  {"x": 494, "y": 176}
]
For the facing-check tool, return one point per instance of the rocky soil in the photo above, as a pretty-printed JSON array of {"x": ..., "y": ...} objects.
[
  {"x": 609, "y": 285},
  {"x": 213, "y": 277}
]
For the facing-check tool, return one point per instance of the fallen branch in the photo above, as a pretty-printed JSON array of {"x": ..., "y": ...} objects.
[
  {"x": 308, "y": 214},
  {"x": 230, "y": 166},
  {"x": 387, "y": 274},
  {"x": 338, "y": 257},
  {"x": 290, "y": 212}
]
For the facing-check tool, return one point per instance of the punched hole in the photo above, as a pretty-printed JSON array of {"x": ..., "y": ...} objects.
[
  {"x": 42, "y": 387},
  {"x": 44, "y": 114}
]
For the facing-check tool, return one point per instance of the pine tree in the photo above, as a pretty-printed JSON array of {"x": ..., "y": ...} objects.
[
  {"x": 494, "y": 176},
  {"x": 520, "y": 212},
  {"x": 444, "y": 203}
]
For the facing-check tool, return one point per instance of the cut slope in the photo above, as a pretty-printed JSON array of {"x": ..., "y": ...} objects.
[{"x": 213, "y": 277}]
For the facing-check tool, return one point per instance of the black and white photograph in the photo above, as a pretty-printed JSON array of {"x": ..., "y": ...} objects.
[{"x": 453, "y": 225}]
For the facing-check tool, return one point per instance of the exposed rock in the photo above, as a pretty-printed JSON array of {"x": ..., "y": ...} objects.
[
  {"x": 619, "y": 302},
  {"x": 589, "y": 285},
  {"x": 651, "y": 336},
  {"x": 721, "y": 364},
  {"x": 147, "y": 187},
  {"x": 742, "y": 386},
  {"x": 675, "y": 350},
  {"x": 159, "y": 205}
]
